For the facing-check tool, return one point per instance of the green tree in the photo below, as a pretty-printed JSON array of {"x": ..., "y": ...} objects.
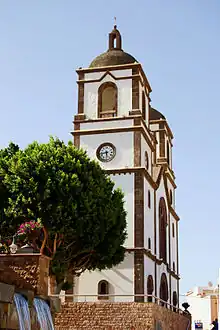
[{"x": 74, "y": 199}]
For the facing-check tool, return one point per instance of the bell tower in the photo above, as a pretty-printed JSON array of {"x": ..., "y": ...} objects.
[{"x": 132, "y": 141}]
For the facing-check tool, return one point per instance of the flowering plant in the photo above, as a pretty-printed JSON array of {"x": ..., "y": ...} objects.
[{"x": 28, "y": 227}]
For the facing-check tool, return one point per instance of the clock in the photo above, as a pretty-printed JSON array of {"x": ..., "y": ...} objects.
[{"x": 106, "y": 152}]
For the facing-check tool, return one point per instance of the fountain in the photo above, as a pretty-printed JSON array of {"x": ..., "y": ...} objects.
[
  {"x": 23, "y": 312},
  {"x": 43, "y": 314}
]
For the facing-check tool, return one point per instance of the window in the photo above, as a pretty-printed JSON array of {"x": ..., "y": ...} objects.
[
  {"x": 173, "y": 229},
  {"x": 143, "y": 106},
  {"x": 150, "y": 288},
  {"x": 107, "y": 100},
  {"x": 103, "y": 289},
  {"x": 146, "y": 160},
  {"x": 149, "y": 199},
  {"x": 163, "y": 229},
  {"x": 171, "y": 197},
  {"x": 149, "y": 243},
  {"x": 174, "y": 268},
  {"x": 163, "y": 289}
]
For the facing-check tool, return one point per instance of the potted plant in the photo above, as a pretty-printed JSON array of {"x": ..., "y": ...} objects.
[{"x": 29, "y": 232}]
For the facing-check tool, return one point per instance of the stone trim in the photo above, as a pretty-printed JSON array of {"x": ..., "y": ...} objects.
[
  {"x": 135, "y": 90},
  {"x": 164, "y": 122},
  {"x": 76, "y": 137},
  {"x": 133, "y": 170},
  {"x": 104, "y": 75},
  {"x": 141, "y": 129},
  {"x": 138, "y": 233},
  {"x": 162, "y": 143},
  {"x": 80, "y": 118},
  {"x": 137, "y": 144},
  {"x": 119, "y": 67},
  {"x": 85, "y": 120},
  {"x": 81, "y": 94},
  {"x": 133, "y": 114},
  {"x": 138, "y": 275}
]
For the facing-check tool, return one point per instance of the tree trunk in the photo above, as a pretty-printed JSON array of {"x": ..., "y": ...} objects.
[
  {"x": 52, "y": 285},
  {"x": 70, "y": 291}
]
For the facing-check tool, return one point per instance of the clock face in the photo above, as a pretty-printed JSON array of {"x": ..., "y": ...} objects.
[{"x": 106, "y": 152}]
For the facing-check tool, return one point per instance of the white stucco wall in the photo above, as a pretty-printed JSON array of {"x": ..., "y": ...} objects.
[
  {"x": 124, "y": 92},
  {"x": 122, "y": 141},
  {"x": 97, "y": 125},
  {"x": 148, "y": 216},
  {"x": 200, "y": 309},
  {"x": 121, "y": 282},
  {"x": 126, "y": 183},
  {"x": 149, "y": 269}
]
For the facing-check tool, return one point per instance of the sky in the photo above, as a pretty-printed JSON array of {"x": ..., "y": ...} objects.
[{"x": 43, "y": 42}]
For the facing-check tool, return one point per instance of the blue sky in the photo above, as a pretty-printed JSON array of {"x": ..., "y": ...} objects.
[{"x": 177, "y": 42}]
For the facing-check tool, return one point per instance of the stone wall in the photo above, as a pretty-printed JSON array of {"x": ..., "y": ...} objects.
[
  {"x": 120, "y": 316},
  {"x": 26, "y": 272}
]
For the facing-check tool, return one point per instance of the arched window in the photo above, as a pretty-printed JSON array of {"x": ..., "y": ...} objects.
[
  {"x": 107, "y": 100},
  {"x": 163, "y": 229},
  {"x": 168, "y": 153},
  {"x": 146, "y": 160},
  {"x": 175, "y": 301},
  {"x": 103, "y": 289},
  {"x": 143, "y": 106},
  {"x": 174, "y": 268},
  {"x": 171, "y": 197},
  {"x": 149, "y": 199},
  {"x": 149, "y": 243},
  {"x": 173, "y": 229},
  {"x": 163, "y": 289},
  {"x": 150, "y": 288}
]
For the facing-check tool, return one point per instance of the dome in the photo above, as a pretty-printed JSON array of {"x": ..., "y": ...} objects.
[
  {"x": 155, "y": 114},
  {"x": 114, "y": 55}
]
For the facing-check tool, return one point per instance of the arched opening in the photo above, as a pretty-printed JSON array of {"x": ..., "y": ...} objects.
[
  {"x": 173, "y": 229},
  {"x": 163, "y": 229},
  {"x": 171, "y": 197},
  {"x": 175, "y": 301},
  {"x": 107, "y": 100},
  {"x": 163, "y": 290},
  {"x": 146, "y": 160},
  {"x": 149, "y": 243},
  {"x": 168, "y": 153},
  {"x": 103, "y": 290},
  {"x": 143, "y": 106},
  {"x": 149, "y": 199},
  {"x": 150, "y": 288}
]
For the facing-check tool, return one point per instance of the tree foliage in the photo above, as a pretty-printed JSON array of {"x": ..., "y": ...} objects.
[{"x": 74, "y": 199}]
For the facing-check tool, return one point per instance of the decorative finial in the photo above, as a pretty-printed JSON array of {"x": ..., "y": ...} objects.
[{"x": 115, "y": 23}]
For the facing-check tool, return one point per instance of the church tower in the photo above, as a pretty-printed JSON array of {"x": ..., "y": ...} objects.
[{"x": 132, "y": 141}]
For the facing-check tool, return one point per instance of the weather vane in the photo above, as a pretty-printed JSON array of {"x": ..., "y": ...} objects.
[{"x": 115, "y": 21}]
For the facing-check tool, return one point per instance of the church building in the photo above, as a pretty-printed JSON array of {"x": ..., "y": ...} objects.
[{"x": 132, "y": 141}]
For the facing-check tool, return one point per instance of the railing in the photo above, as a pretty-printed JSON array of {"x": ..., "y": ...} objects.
[{"x": 139, "y": 298}]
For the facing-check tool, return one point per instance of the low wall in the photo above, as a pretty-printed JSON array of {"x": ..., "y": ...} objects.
[
  {"x": 25, "y": 271},
  {"x": 120, "y": 316}
]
